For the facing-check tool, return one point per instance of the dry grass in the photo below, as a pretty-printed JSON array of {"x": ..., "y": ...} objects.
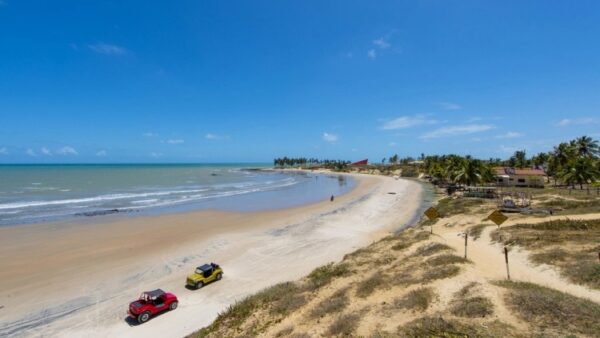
[
  {"x": 323, "y": 275},
  {"x": 334, "y": 304},
  {"x": 453, "y": 206},
  {"x": 569, "y": 206},
  {"x": 344, "y": 325},
  {"x": 551, "y": 310},
  {"x": 446, "y": 259},
  {"x": 466, "y": 304},
  {"x": 471, "y": 307},
  {"x": 416, "y": 300},
  {"x": 282, "y": 297},
  {"x": 369, "y": 285},
  {"x": 440, "y": 327},
  {"x": 439, "y": 273},
  {"x": 476, "y": 230},
  {"x": 570, "y": 245},
  {"x": 431, "y": 248}
]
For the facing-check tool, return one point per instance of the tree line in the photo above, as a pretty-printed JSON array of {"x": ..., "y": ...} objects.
[
  {"x": 571, "y": 163},
  {"x": 283, "y": 162}
]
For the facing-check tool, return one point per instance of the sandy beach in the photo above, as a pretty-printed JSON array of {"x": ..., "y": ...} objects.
[{"x": 74, "y": 279}]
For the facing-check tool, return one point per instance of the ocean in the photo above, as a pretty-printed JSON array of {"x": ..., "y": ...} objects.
[{"x": 43, "y": 193}]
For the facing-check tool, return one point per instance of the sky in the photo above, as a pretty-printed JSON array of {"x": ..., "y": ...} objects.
[{"x": 247, "y": 81}]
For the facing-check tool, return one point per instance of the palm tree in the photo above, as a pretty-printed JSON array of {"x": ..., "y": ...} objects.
[
  {"x": 469, "y": 172},
  {"x": 579, "y": 172},
  {"x": 586, "y": 146}
]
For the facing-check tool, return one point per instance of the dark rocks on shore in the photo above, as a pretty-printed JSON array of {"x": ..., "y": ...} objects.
[{"x": 101, "y": 212}]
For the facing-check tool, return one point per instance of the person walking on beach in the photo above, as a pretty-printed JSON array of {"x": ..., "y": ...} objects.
[{"x": 331, "y": 199}]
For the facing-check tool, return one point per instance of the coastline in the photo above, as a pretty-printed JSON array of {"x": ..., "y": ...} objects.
[{"x": 83, "y": 275}]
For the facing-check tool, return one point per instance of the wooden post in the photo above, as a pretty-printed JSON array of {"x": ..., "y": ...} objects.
[
  {"x": 506, "y": 259},
  {"x": 432, "y": 228},
  {"x": 466, "y": 238},
  {"x": 599, "y": 256}
]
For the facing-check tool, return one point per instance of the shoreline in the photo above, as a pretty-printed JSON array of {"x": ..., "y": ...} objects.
[{"x": 145, "y": 252}]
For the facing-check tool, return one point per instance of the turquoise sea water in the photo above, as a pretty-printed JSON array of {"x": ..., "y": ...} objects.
[{"x": 40, "y": 193}]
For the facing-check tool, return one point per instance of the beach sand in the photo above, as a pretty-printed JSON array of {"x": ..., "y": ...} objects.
[{"x": 74, "y": 279}]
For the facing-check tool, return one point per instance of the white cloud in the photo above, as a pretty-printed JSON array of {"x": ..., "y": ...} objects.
[
  {"x": 149, "y": 134},
  {"x": 211, "y": 136},
  {"x": 577, "y": 121},
  {"x": 330, "y": 137},
  {"x": 175, "y": 141},
  {"x": 407, "y": 122},
  {"x": 107, "y": 49},
  {"x": 153, "y": 154},
  {"x": 31, "y": 152},
  {"x": 372, "y": 54},
  {"x": 3, "y": 151},
  {"x": 46, "y": 151},
  {"x": 101, "y": 153},
  {"x": 381, "y": 43},
  {"x": 450, "y": 106},
  {"x": 510, "y": 134},
  {"x": 67, "y": 151},
  {"x": 392, "y": 144},
  {"x": 457, "y": 130}
]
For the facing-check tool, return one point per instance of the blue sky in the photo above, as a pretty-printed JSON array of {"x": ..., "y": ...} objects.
[{"x": 227, "y": 81}]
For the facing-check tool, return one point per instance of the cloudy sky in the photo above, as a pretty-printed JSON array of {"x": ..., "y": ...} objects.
[{"x": 216, "y": 81}]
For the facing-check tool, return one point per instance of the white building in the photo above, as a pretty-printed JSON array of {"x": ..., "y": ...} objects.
[{"x": 512, "y": 177}]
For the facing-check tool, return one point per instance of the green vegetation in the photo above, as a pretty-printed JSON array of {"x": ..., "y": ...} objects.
[
  {"x": 572, "y": 206},
  {"x": 548, "y": 309},
  {"x": 323, "y": 275},
  {"x": 280, "y": 295},
  {"x": 283, "y": 162},
  {"x": 454, "y": 206},
  {"x": 416, "y": 300}
]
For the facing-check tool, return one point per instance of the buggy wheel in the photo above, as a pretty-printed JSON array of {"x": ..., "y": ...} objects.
[
  {"x": 173, "y": 306},
  {"x": 143, "y": 317},
  {"x": 219, "y": 276},
  {"x": 199, "y": 285}
]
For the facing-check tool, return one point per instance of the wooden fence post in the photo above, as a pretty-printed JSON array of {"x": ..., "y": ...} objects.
[
  {"x": 466, "y": 238},
  {"x": 506, "y": 259}
]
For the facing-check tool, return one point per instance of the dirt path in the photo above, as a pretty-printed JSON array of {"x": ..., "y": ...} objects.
[{"x": 488, "y": 258}]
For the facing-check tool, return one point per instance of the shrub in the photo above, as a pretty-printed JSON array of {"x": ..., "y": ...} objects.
[
  {"x": 344, "y": 325},
  {"x": 418, "y": 299},
  {"x": 325, "y": 274},
  {"x": 548, "y": 308},
  {"x": 368, "y": 286},
  {"x": 336, "y": 303}
]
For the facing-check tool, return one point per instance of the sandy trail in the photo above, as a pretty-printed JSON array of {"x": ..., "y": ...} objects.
[
  {"x": 281, "y": 246},
  {"x": 489, "y": 262}
]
